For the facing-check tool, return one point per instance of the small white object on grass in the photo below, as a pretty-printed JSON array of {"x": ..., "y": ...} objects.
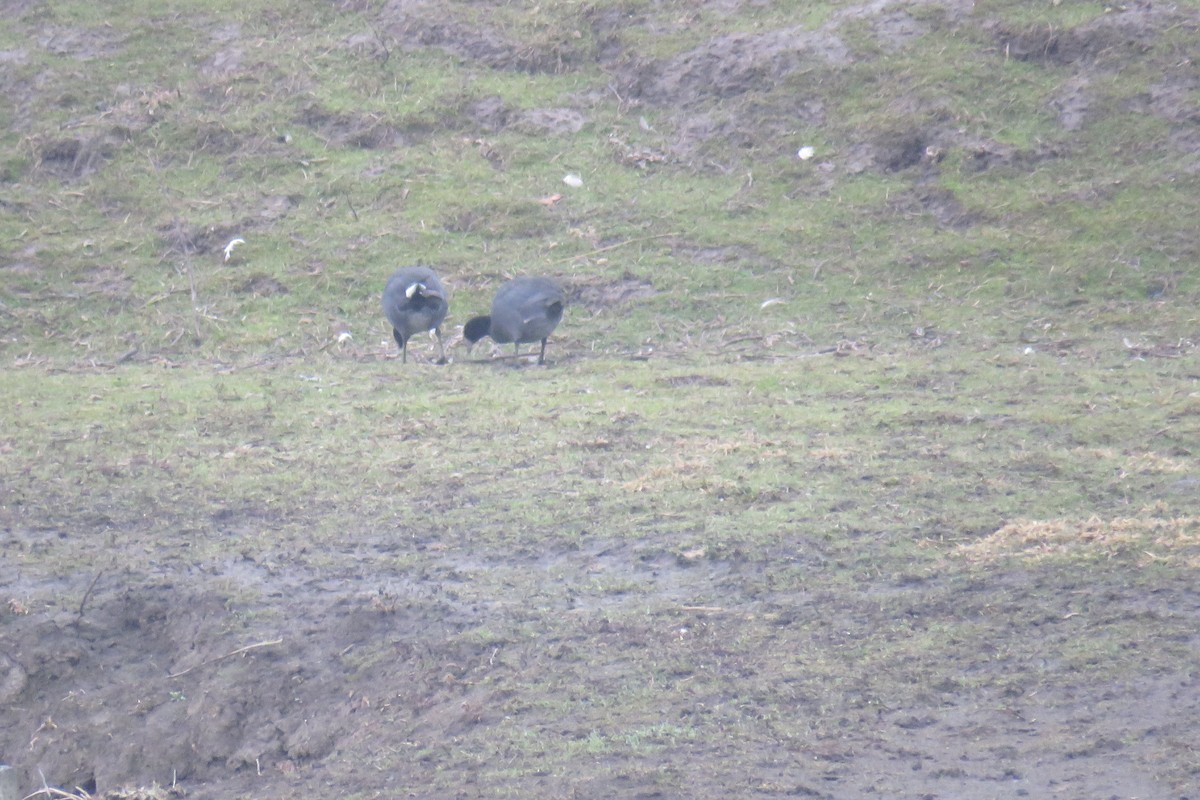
[
  {"x": 805, "y": 153},
  {"x": 772, "y": 301},
  {"x": 573, "y": 180},
  {"x": 230, "y": 247}
]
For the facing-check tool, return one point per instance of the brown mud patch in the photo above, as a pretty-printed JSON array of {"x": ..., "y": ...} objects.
[
  {"x": 600, "y": 295},
  {"x": 240, "y": 677}
]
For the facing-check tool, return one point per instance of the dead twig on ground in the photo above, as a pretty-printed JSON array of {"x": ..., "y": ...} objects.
[
  {"x": 239, "y": 651},
  {"x": 614, "y": 247},
  {"x": 88, "y": 593}
]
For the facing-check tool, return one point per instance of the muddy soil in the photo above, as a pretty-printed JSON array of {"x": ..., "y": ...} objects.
[{"x": 248, "y": 679}]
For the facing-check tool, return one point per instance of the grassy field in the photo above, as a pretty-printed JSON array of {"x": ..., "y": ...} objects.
[{"x": 868, "y": 470}]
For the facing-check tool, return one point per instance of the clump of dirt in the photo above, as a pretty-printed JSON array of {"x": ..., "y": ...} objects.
[
  {"x": 938, "y": 202},
  {"x": 262, "y": 286},
  {"x": 597, "y": 296},
  {"x": 1111, "y": 37},
  {"x": 366, "y": 132},
  {"x": 896, "y": 28},
  {"x": 1176, "y": 98},
  {"x": 489, "y": 114},
  {"x": 83, "y": 43},
  {"x": 558, "y": 121},
  {"x": 1073, "y": 102},
  {"x": 677, "y": 381},
  {"x": 108, "y": 281},
  {"x": 218, "y": 140},
  {"x": 730, "y": 65},
  {"x": 422, "y": 23},
  {"x": 184, "y": 239},
  {"x": 725, "y": 254},
  {"x": 102, "y": 131},
  {"x": 13, "y": 679},
  {"x": 74, "y": 156},
  {"x": 898, "y": 151}
]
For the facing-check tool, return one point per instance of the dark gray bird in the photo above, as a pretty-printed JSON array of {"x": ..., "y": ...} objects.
[
  {"x": 525, "y": 310},
  {"x": 415, "y": 301}
]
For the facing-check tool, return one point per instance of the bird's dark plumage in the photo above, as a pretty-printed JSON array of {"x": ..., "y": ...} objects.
[
  {"x": 415, "y": 301},
  {"x": 525, "y": 310}
]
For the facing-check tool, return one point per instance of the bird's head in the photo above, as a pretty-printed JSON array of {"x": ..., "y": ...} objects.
[{"x": 475, "y": 329}]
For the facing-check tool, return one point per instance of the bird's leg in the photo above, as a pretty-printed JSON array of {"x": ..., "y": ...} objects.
[
  {"x": 542, "y": 355},
  {"x": 441, "y": 346},
  {"x": 403, "y": 346}
]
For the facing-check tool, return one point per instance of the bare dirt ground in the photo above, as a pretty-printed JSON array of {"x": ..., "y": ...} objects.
[
  {"x": 274, "y": 678},
  {"x": 305, "y": 690}
]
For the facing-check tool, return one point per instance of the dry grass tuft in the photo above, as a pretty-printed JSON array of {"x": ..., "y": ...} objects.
[
  {"x": 1149, "y": 539},
  {"x": 1157, "y": 464}
]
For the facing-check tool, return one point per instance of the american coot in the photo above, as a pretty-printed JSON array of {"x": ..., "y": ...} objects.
[
  {"x": 415, "y": 301},
  {"x": 525, "y": 310}
]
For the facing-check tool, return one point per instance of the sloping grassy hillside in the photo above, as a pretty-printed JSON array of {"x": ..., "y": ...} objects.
[{"x": 868, "y": 441}]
